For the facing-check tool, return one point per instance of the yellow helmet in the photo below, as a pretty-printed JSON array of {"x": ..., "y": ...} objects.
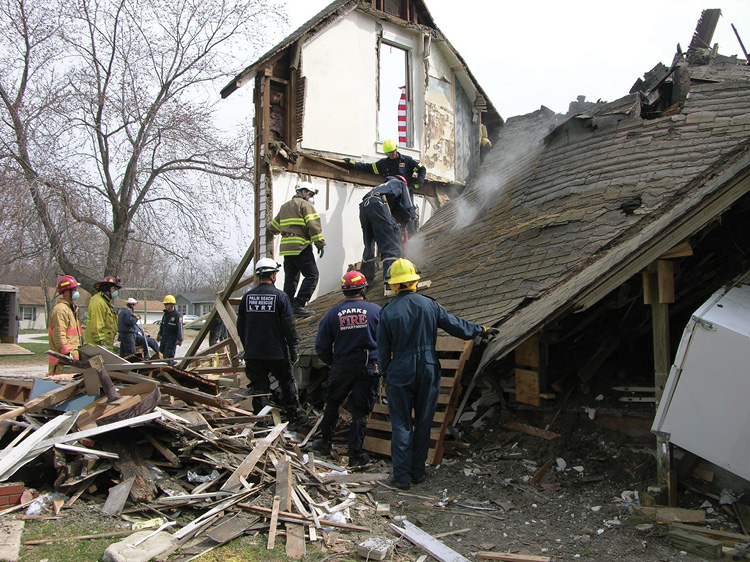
[
  {"x": 389, "y": 146},
  {"x": 169, "y": 299},
  {"x": 402, "y": 271}
]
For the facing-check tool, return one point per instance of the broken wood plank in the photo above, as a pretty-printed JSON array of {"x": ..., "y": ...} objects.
[
  {"x": 233, "y": 482},
  {"x": 354, "y": 478},
  {"x": 535, "y": 431},
  {"x": 229, "y": 529},
  {"x": 541, "y": 472},
  {"x": 272, "y": 526},
  {"x": 45, "y": 400},
  {"x": 117, "y": 497},
  {"x": 670, "y": 514},
  {"x": 508, "y": 557},
  {"x": 428, "y": 543},
  {"x": 695, "y": 544},
  {"x": 300, "y": 518}
]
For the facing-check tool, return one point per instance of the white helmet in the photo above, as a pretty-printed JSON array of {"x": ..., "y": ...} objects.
[
  {"x": 306, "y": 185},
  {"x": 266, "y": 265},
  {"x": 131, "y": 300}
]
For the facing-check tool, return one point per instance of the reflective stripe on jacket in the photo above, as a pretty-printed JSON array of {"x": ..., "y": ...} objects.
[
  {"x": 299, "y": 225},
  {"x": 64, "y": 332}
]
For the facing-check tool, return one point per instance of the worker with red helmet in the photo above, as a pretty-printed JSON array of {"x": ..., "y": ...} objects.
[
  {"x": 101, "y": 319},
  {"x": 64, "y": 327},
  {"x": 346, "y": 341}
]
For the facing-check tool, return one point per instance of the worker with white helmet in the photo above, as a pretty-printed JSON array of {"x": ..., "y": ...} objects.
[
  {"x": 407, "y": 335},
  {"x": 127, "y": 322},
  {"x": 299, "y": 225},
  {"x": 265, "y": 323}
]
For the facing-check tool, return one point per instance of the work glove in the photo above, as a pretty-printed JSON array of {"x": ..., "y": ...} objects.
[
  {"x": 321, "y": 251},
  {"x": 158, "y": 338},
  {"x": 349, "y": 162},
  {"x": 294, "y": 355},
  {"x": 179, "y": 343},
  {"x": 489, "y": 332}
]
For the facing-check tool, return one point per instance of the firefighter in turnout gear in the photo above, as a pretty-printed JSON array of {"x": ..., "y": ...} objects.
[
  {"x": 101, "y": 320},
  {"x": 170, "y": 330},
  {"x": 265, "y": 323},
  {"x": 346, "y": 342},
  {"x": 300, "y": 228},
  {"x": 406, "y": 338},
  {"x": 64, "y": 327},
  {"x": 382, "y": 214}
]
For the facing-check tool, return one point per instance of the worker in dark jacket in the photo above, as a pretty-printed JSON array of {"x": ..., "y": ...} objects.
[
  {"x": 170, "y": 330},
  {"x": 397, "y": 164},
  {"x": 406, "y": 338},
  {"x": 394, "y": 164},
  {"x": 127, "y": 322},
  {"x": 265, "y": 322},
  {"x": 346, "y": 342},
  {"x": 382, "y": 213}
]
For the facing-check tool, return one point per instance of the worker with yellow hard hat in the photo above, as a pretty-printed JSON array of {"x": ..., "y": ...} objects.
[
  {"x": 170, "y": 330},
  {"x": 406, "y": 339}
]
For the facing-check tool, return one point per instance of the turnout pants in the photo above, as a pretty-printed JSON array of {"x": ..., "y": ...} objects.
[
  {"x": 378, "y": 227},
  {"x": 257, "y": 370},
  {"x": 304, "y": 264},
  {"x": 362, "y": 381}
]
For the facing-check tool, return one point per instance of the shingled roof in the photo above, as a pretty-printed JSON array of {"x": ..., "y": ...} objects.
[{"x": 563, "y": 210}]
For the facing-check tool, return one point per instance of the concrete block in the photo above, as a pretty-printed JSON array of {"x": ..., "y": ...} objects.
[
  {"x": 375, "y": 548},
  {"x": 124, "y": 551}
]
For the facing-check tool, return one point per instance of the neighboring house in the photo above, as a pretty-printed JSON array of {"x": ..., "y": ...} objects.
[
  {"x": 331, "y": 90},
  {"x": 32, "y": 307},
  {"x": 195, "y": 303}
]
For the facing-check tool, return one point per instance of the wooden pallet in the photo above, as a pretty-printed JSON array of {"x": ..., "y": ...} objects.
[{"x": 453, "y": 354}]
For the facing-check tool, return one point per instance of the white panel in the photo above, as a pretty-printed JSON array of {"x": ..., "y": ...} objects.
[{"x": 708, "y": 413}]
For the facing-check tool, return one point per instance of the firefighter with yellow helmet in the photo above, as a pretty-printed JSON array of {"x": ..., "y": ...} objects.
[
  {"x": 394, "y": 164},
  {"x": 406, "y": 339}
]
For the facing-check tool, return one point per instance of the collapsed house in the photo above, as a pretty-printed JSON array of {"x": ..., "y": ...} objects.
[
  {"x": 588, "y": 240},
  {"x": 310, "y": 115}
]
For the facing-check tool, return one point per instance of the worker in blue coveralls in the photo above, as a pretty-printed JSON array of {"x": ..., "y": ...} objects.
[
  {"x": 127, "y": 321},
  {"x": 395, "y": 164},
  {"x": 170, "y": 330},
  {"x": 407, "y": 335},
  {"x": 265, "y": 323},
  {"x": 346, "y": 342},
  {"x": 382, "y": 213}
]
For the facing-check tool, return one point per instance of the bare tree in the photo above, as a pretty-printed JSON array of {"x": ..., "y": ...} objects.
[{"x": 106, "y": 122}]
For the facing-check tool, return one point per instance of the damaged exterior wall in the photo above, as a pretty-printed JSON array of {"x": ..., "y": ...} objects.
[{"x": 317, "y": 102}]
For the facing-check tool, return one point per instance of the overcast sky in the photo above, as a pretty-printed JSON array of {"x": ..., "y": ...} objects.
[{"x": 534, "y": 53}]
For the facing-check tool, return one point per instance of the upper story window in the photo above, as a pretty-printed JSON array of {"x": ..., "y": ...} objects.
[{"x": 394, "y": 95}]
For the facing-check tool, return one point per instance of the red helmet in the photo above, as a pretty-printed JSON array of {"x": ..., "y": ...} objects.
[
  {"x": 108, "y": 280},
  {"x": 66, "y": 282},
  {"x": 353, "y": 280}
]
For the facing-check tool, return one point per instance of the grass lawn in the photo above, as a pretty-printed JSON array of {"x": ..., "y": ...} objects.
[{"x": 40, "y": 354}]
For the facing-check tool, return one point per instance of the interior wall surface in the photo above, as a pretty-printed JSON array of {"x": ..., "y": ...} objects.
[{"x": 337, "y": 203}]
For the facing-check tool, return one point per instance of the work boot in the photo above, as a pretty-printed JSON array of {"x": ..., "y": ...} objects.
[
  {"x": 302, "y": 312},
  {"x": 391, "y": 481},
  {"x": 322, "y": 446},
  {"x": 419, "y": 479},
  {"x": 297, "y": 418},
  {"x": 358, "y": 458}
]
